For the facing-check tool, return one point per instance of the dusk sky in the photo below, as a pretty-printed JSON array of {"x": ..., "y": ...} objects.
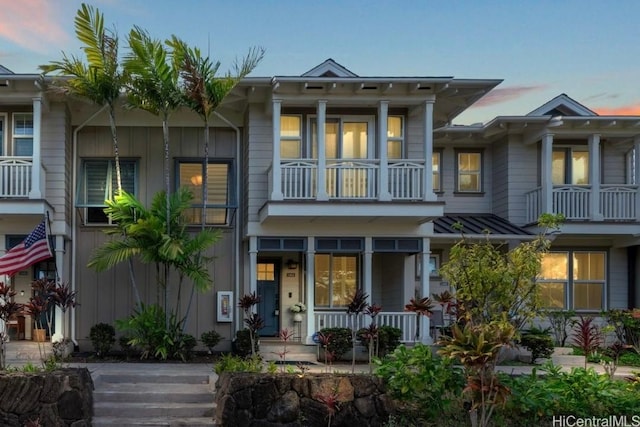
[{"x": 589, "y": 50}]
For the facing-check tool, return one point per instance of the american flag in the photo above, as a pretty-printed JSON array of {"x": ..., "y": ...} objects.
[{"x": 33, "y": 249}]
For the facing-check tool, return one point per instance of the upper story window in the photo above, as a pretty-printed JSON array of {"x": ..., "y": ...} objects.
[
  {"x": 570, "y": 166},
  {"x": 290, "y": 137},
  {"x": 469, "y": 171},
  {"x": 220, "y": 198},
  {"x": 98, "y": 183},
  {"x": 23, "y": 134},
  {"x": 436, "y": 166},
  {"x": 345, "y": 138},
  {"x": 395, "y": 137}
]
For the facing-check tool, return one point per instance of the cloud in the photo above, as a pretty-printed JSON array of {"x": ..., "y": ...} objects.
[
  {"x": 32, "y": 24},
  {"x": 498, "y": 96},
  {"x": 602, "y": 95},
  {"x": 625, "y": 110}
]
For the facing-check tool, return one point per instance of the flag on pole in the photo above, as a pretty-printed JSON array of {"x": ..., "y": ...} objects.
[{"x": 33, "y": 249}]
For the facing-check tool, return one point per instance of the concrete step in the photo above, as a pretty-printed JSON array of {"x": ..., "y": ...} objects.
[
  {"x": 152, "y": 422},
  {"x": 122, "y": 392},
  {"x": 133, "y": 378},
  {"x": 134, "y": 410}
]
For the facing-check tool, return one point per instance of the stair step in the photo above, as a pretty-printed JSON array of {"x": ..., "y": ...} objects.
[
  {"x": 134, "y": 410},
  {"x": 177, "y": 393},
  {"x": 152, "y": 422},
  {"x": 154, "y": 379}
]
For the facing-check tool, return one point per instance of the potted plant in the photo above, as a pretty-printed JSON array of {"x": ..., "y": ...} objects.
[{"x": 297, "y": 309}]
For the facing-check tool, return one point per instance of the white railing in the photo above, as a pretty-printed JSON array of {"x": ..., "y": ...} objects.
[
  {"x": 405, "y": 321},
  {"x": 15, "y": 176},
  {"x": 406, "y": 179},
  {"x": 617, "y": 202},
  {"x": 350, "y": 179}
]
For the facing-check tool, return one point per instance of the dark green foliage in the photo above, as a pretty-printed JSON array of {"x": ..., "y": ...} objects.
[
  {"x": 184, "y": 347},
  {"x": 340, "y": 341},
  {"x": 428, "y": 386},
  {"x": 230, "y": 363},
  {"x": 210, "y": 339},
  {"x": 538, "y": 342},
  {"x": 388, "y": 339},
  {"x": 242, "y": 343},
  {"x": 125, "y": 346},
  {"x": 102, "y": 336}
]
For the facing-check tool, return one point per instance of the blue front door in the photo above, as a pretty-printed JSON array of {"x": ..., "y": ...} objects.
[{"x": 269, "y": 299}]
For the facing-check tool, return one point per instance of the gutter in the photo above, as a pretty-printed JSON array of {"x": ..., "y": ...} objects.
[
  {"x": 237, "y": 231},
  {"x": 74, "y": 217}
]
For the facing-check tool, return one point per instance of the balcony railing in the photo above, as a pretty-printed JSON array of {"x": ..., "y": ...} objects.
[
  {"x": 15, "y": 177},
  {"x": 352, "y": 179},
  {"x": 405, "y": 321},
  {"x": 617, "y": 202}
]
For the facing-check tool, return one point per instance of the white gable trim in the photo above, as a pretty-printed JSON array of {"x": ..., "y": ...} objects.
[
  {"x": 329, "y": 66},
  {"x": 563, "y": 101}
]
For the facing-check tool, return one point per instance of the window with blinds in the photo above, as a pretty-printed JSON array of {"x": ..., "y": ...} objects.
[
  {"x": 220, "y": 200},
  {"x": 98, "y": 183}
]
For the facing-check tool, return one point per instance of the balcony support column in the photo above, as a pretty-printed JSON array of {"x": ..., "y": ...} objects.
[
  {"x": 429, "y": 195},
  {"x": 425, "y": 337},
  {"x": 636, "y": 173},
  {"x": 546, "y": 180},
  {"x": 310, "y": 287},
  {"x": 321, "y": 182},
  {"x": 276, "y": 167},
  {"x": 367, "y": 268},
  {"x": 36, "y": 157},
  {"x": 383, "y": 114},
  {"x": 594, "y": 176}
]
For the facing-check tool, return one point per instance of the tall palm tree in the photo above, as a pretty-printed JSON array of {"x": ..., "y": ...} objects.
[
  {"x": 100, "y": 79},
  {"x": 203, "y": 91}
]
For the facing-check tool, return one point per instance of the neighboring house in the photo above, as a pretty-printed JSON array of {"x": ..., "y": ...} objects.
[{"x": 328, "y": 182}]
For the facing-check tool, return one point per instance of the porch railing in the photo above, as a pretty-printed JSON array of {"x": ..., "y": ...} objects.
[
  {"x": 617, "y": 202},
  {"x": 351, "y": 179},
  {"x": 15, "y": 177},
  {"x": 405, "y": 321}
]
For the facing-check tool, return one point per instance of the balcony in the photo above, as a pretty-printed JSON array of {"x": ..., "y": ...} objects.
[
  {"x": 359, "y": 189},
  {"x": 18, "y": 194},
  {"x": 617, "y": 203}
]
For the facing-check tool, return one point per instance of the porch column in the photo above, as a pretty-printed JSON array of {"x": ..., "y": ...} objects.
[
  {"x": 59, "y": 259},
  {"x": 276, "y": 168},
  {"x": 429, "y": 195},
  {"x": 253, "y": 265},
  {"x": 311, "y": 298},
  {"x": 383, "y": 113},
  {"x": 367, "y": 268},
  {"x": 594, "y": 176},
  {"x": 546, "y": 172},
  {"x": 636, "y": 172},
  {"x": 425, "y": 337},
  {"x": 36, "y": 158},
  {"x": 321, "y": 191}
]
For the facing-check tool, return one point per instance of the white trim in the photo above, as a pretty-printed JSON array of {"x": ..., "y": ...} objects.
[
  {"x": 331, "y": 66},
  {"x": 4, "y": 117},
  {"x": 562, "y": 101}
]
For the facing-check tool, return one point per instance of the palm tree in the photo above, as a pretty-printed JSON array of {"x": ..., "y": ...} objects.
[{"x": 203, "y": 92}]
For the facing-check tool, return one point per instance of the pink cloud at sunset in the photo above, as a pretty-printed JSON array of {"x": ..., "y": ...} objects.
[
  {"x": 32, "y": 24},
  {"x": 498, "y": 96},
  {"x": 625, "y": 110}
]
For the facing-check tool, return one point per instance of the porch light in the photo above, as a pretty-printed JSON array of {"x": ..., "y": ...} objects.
[
  {"x": 22, "y": 293},
  {"x": 196, "y": 180},
  {"x": 292, "y": 265}
]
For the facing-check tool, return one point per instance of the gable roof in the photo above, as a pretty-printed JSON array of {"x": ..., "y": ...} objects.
[
  {"x": 5, "y": 70},
  {"x": 562, "y": 105},
  {"x": 329, "y": 68}
]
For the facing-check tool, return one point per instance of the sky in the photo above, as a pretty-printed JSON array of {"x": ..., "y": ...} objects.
[{"x": 589, "y": 50}]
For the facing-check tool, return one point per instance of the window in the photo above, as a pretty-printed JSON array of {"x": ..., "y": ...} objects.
[
  {"x": 2, "y": 127},
  {"x": 23, "y": 134},
  {"x": 573, "y": 280},
  {"x": 395, "y": 137},
  {"x": 98, "y": 183},
  {"x": 290, "y": 137},
  {"x": 336, "y": 279},
  {"x": 219, "y": 190},
  {"x": 570, "y": 166},
  {"x": 469, "y": 172},
  {"x": 435, "y": 165},
  {"x": 345, "y": 138}
]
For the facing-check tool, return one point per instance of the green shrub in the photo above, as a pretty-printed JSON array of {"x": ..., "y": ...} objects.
[
  {"x": 538, "y": 342},
  {"x": 102, "y": 336},
  {"x": 340, "y": 341},
  {"x": 231, "y": 363},
  {"x": 183, "y": 347},
  {"x": 210, "y": 339},
  {"x": 388, "y": 339},
  {"x": 242, "y": 344}
]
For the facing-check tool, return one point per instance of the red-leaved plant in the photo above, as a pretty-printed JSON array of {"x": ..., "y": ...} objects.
[{"x": 587, "y": 336}]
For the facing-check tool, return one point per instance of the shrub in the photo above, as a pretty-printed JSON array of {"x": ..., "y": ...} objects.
[
  {"x": 242, "y": 343},
  {"x": 340, "y": 341},
  {"x": 126, "y": 348},
  {"x": 210, "y": 339},
  {"x": 183, "y": 347},
  {"x": 388, "y": 339},
  {"x": 231, "y": 363},
  {"x": 560, "y": 321},
  {"x": 102, "y": 336},
  {"x": 538, "y": 342}
]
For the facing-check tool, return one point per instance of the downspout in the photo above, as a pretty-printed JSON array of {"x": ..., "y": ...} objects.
[
  {"x": 237, "y": 231},
  {"x": 74, "y": 220}
]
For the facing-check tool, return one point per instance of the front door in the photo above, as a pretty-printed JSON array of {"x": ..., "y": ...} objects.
[{"x": 268, "y": 287}]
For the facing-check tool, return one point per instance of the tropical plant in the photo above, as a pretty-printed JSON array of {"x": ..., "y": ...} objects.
[
  {"x": 231, "y": 363},
  {"x": 421, "y": 307},
  {"x": 538, "y": 342},
  {"x": 244, "y": 346},
  {"x": 8, "y": 309},
  {"x": 253, "y": 320},
  {"x": 210, "y": 339},
  {"x": 64, "y": 298},
  {"x": 357, "y": 305},
  {"x": 338, "y": 341},
  {"x": 587, "y": 336},
  {"x": 560, "y": 320},
  {"x": 102, "y": 336},
  {"x": 285, "y": 335}
]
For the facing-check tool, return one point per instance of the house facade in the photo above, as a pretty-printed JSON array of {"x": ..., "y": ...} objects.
[{"x": 326, "y": 183}]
